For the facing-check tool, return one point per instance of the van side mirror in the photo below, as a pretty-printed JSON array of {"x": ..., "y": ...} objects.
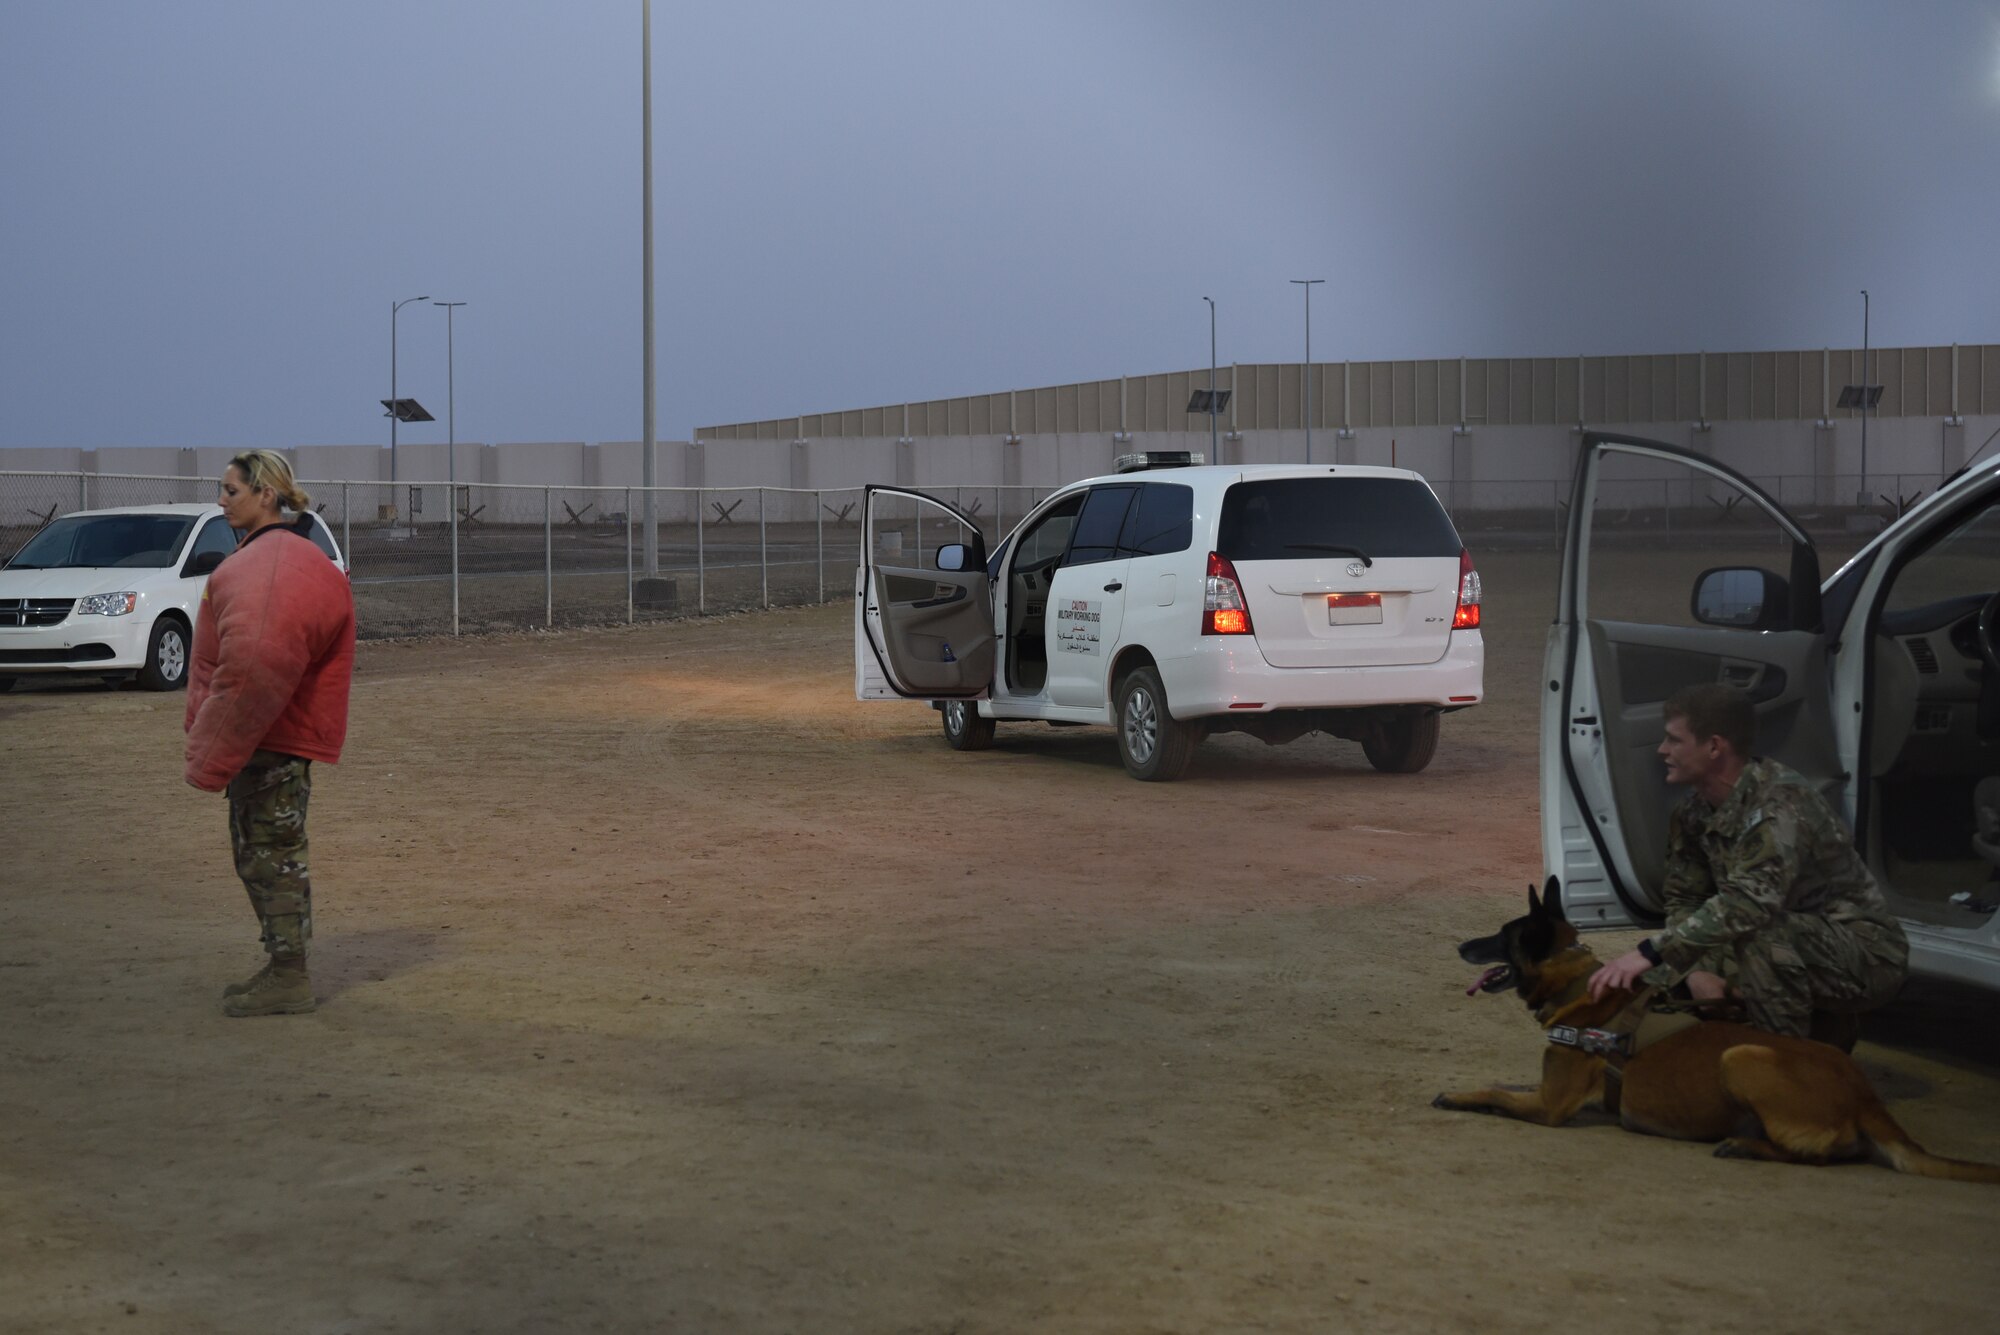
[
  {"x": 203, "y": 563},
  {"x": 1742, "y": 598},
  {"x": 955, "y": 556}
]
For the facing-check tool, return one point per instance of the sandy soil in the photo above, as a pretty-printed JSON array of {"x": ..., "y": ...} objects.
[{"x": 666, "y": 988}]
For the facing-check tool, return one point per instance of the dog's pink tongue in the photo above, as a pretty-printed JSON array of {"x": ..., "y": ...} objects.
[{"x": 1484, "y": 979}]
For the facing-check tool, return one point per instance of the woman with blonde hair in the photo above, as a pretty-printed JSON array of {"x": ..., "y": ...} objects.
[{"x": 267, "y": 696}]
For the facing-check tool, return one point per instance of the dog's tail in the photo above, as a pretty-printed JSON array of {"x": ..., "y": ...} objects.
[{"x": 1891, "y": 1146}]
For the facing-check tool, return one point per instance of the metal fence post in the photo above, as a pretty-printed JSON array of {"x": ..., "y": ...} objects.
[
  {"x": 451, "y": 504},
  {"x": 347, "y": 527},
  {"x": 700, "y": 554},
  {"x": 549, "y": 556},
  {"x": 628, "y": 556},
  {"x": 819, "y": 538},
  {"x": 763, "y": 550}
]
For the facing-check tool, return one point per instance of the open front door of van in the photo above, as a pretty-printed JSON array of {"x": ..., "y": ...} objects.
[
  {"x": 1676, "y": 570},
  {"x": 923, "y": 605}
]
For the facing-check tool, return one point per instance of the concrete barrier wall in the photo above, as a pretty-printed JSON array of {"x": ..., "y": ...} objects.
[{"x": 1493, "y": 467}]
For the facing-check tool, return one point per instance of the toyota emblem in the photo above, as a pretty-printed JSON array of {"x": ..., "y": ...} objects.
[{"x": 1355, "y": 570}]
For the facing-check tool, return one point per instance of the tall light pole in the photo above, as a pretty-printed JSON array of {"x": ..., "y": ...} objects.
[
  {"x": 647, "y": 466},
  {"x": 1861, "y": 497},
  {"x": 1307, "y": 284},
  {"x": 395, "y": 306},
  {"x": 451, "y": 448},
  {"x": 1213, "y": 456}
]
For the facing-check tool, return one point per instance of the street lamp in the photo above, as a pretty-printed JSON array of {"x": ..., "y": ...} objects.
[
  {"x": 451, "y": 448},
  {"x": 1862, "y": 497},
  {"x": 1307, "y": 284},
  {"x": 1862, "y": 397},
  {"x": 394, "y": 418},
  {"x": 1214, "y": 456}
]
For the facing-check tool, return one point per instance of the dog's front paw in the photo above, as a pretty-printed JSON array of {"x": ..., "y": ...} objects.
[{"x": 1457, "y": 1103}]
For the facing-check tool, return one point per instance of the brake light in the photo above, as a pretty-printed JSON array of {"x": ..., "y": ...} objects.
[
  {"x": 1224, "y": 611},
  {"x": 1467, "y": 615}
]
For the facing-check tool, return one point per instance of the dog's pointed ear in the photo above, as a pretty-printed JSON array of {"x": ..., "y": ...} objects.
[
  {"x": 1534, "y": 905},
  {"x": 1552, "y": 900}
]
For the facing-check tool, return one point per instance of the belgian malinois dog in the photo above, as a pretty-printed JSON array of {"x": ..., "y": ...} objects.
[{"x": 1762, "y": 1095}]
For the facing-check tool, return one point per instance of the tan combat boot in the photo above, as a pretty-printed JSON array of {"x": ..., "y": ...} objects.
[
  {"x": 282, "y": 989},
  {"x": 238, "y": 989}
]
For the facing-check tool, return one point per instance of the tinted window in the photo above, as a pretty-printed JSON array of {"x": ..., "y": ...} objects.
[
  {"x": 313, "y": 528},
  {"x": 105, "y": 540},
  {"x": 1162, "y": 521},
  {"x": 216, "y": 536},
  {"x": 1299, "y": 518},
  {"x": 1098, "y": 527},
  {"x": 1046, "y": 540}
]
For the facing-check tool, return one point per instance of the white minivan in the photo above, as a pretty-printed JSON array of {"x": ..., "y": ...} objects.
[
  {"x": 1881, "y": 684},
  {"x": 114, "y": 593},
  {"x": 1176, "y": 601}
]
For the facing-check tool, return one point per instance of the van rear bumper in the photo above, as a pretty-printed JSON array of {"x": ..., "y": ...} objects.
[{"x": 1227, "y": 675}]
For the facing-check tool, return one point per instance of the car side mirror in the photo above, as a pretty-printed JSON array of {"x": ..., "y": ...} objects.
[
  {"x": 203, "y": 563},
  {"x": 955, "y": 556},
  {"x": 1742, "y": 598}
]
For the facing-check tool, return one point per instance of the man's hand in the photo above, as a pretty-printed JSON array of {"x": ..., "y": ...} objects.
[{"x": 1620, "y": 973}]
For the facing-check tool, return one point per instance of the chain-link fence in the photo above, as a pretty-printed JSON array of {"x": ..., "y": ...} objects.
[{"x": 430, "y": 557}]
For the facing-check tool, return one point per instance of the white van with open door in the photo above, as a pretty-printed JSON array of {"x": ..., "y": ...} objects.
[
  {"x": 1172, "y": 602},
  {"x": 1881, "y": 685}
]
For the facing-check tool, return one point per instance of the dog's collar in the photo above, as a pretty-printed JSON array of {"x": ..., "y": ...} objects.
[{"x": 1550, "y": 1009}]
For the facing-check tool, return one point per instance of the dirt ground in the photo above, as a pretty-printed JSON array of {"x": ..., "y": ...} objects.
[{"x": 665, "y": 988}]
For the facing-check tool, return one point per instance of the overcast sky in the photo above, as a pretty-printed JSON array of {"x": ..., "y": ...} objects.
[{"x": 207, "y": 207}]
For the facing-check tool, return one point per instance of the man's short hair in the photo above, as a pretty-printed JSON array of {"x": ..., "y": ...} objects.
[{"x": 1713, "y": 710}]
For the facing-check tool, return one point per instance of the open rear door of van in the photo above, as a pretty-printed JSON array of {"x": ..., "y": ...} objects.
[{"x": 1648, "y": 523}]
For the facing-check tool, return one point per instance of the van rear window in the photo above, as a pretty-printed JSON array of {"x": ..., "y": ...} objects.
[{"x": 1298, "y": 518}]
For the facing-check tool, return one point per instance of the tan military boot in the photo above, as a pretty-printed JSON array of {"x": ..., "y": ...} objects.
[
  {"x": 282, "y": 989},
  {"x": 238, "y": 989}
]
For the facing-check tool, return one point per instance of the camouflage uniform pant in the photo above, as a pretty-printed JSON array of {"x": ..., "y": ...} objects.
[
  {"x": 267, "y": 832},
  {"x": 1802, "y": 962}
]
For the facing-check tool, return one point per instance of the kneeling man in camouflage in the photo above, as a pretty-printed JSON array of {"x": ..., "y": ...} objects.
[{"x": 1765, "y": 895}]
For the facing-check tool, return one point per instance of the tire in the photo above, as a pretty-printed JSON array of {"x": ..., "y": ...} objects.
[
  {"x": 964, "y": 729},
  {"x": 1404, "y": 744},
  {"x": 166, "y": 656},
  {"x": 1155, "y": 747}
]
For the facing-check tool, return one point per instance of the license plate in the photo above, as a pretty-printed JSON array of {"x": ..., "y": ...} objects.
[{"x": 1353, "y": 609}]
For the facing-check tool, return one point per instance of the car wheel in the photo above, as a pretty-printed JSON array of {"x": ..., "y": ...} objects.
[
  {"x": 1153, "y": 744},
  {"x": 166, "y": 657},
  {"x": 963, "y": 727},
  {"x": 1404, "y": 744}
]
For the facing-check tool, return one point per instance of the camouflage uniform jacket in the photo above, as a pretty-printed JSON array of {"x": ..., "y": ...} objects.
[{"x": 1772, "y": 846}]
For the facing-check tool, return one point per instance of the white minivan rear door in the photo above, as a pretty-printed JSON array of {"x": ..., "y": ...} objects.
[
  {"x": 1353, "y": 568},
  {"x": 1648, "y": 523}
]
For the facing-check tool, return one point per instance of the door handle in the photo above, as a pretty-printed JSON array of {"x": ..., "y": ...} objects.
[{"x": 1113, "y": 586}]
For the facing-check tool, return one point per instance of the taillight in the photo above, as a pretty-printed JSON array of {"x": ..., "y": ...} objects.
[
  {"x": 1467, "y": 615},
  {"x": 1223, "y": 609}
]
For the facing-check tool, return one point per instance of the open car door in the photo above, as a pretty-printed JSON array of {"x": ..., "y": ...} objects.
[
  {"x": 923, "y": 605},
  {"x": 1676, "y": 571}
]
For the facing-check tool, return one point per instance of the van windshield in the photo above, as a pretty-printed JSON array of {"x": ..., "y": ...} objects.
[
  {"x": 105, "y": 540},
  {"x": 1300, "y": 518}
]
